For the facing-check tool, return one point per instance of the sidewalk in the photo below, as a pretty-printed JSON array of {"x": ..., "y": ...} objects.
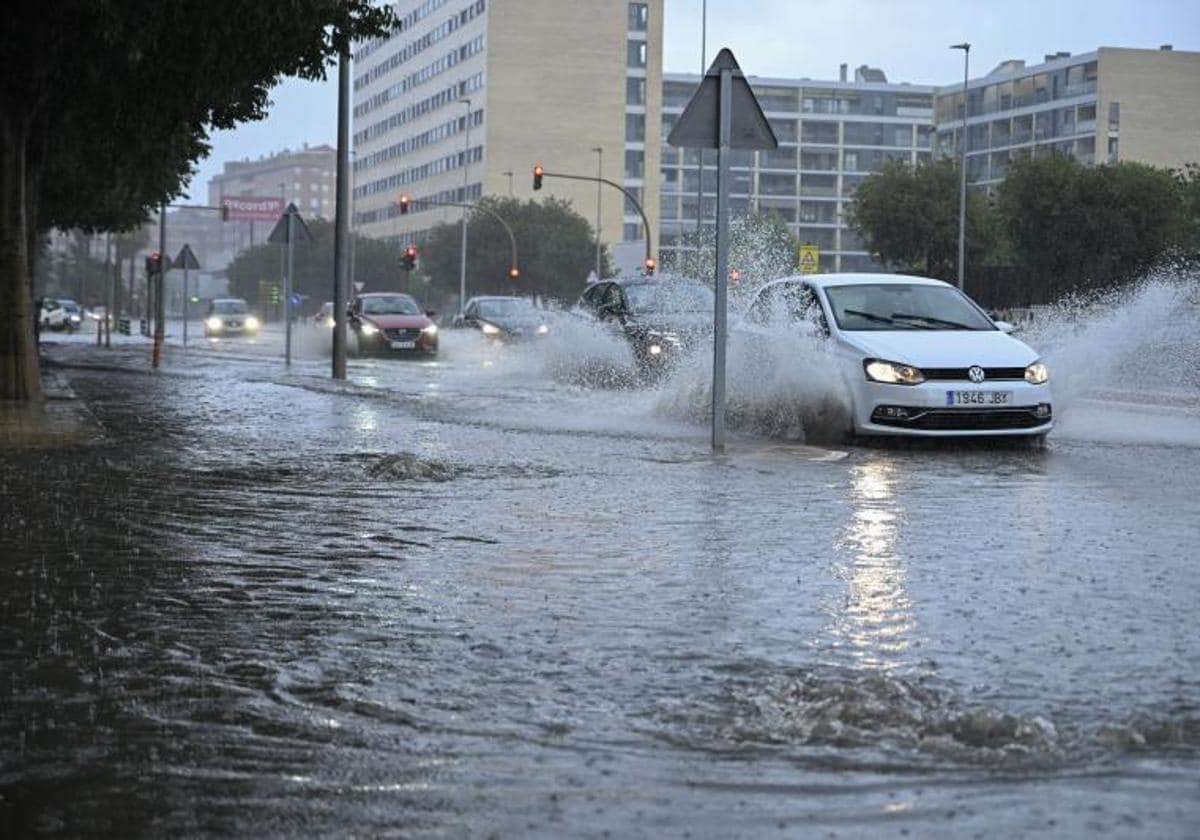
[{"x": 60, "y": 420}]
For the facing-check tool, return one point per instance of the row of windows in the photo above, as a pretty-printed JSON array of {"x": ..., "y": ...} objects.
[
  {"x": 833, "y": 132},
  {"x": 420, "y": 77},
  {"x": 444, "y": 97},
  {"x": 407, "y": 22},
  {"x": 459, "y": 195},
  {"x": 453, "y": 23},
  {"x": 1026, "y": 128},
  {"x": 419, "y": 141},
  {"x": 849, "y": 160},
  {"x": 819, "y": 101},
  {"x": 413, "y": 174},
  {"x": 767, "y": 184},
  {"x": 1077, "y": 80}
]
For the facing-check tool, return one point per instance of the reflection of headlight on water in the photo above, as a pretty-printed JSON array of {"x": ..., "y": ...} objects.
[
  {"x": 214, "y": 323},
  {"x": 489, "y": 329},
  {"x": 252, "y": 323},
  {"x": 542, "y": 329},
  {"x": 430, "y": 330}
]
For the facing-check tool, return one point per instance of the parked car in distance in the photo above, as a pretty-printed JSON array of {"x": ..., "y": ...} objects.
[
  {"x": 662, "y": 318},
  {"x": 916, "y": 356},
  {"x": 230, "y": 317},
  {"x": 391, "y": 322},
  {"x": 504, "y": 318},
  {"x": 60, "y": 314}
]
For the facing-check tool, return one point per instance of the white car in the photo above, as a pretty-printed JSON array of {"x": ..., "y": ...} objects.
[{"x": 917, "y": 356}]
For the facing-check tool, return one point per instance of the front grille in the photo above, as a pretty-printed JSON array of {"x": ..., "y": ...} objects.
[
  {"x": 961, "y": 419},
  {"x": 960, "y": 374},
  {"x": 403, "y": 334}
]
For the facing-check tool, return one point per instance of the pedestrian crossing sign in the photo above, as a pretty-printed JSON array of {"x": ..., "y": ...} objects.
[{"x": 810, "y": 259}]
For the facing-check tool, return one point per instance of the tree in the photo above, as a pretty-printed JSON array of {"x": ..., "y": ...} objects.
[
  {"x": 556, "y": 248},
  {"x": 1187, "y": 237},
  {"x": 376, "y": 265},
  {"x": 908, "y": 218},
  {"x": 1079, "y": 226},
  {"x": 761, "y": 248},
  {"x": 106, "y": 105}
]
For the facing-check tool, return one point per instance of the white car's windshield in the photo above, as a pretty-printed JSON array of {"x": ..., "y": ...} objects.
[
  {"x": 903, "y": 306},
  {"x": 229, "y": 307},
  {"x": 505, "y": 308},
  {"x": 390, "y": 305},
  {"x": 669, "y": 297}
]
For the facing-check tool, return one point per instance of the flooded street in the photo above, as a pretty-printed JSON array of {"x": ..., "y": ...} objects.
[{"x": 480, "y": 596}]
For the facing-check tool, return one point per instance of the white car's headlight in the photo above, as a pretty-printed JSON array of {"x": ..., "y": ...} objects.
[
  {"x": 214, "y": 323},
  {"x": 252, "y": 323},
  {"x": 1037, "y": 373},
  {"x": 542, "y": 329},
  {"x": 490, "y": 329},
  {"x": 892, "y": 373},
  {"x": 368, "y": 328},
  {"x": 430, "y": 330}
]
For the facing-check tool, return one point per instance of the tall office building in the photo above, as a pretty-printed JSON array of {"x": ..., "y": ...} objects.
[
  {"x": 831, "y": 135},
  {"x": 1100, "y": 107},
  {"x": 468, "y": 95}
]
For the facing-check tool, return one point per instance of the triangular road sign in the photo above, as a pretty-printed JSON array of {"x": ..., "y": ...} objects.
[
  {"x": 186, "y": 258},
  {"x": 698, "y": 127},
  {"x": 279, "y": 233}
]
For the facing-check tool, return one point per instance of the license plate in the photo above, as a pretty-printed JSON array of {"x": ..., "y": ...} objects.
[
  {"x": 403, "y": 345},
  {"x": 978, "y": 397}
]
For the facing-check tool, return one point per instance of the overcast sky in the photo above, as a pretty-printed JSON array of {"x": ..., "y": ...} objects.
[{"x": 907, "y": 39}]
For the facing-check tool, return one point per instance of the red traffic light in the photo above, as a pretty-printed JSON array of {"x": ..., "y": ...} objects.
[
  {"x": 538, "y": 172},
  {"x": 735, "y": 277},
  {"x": 411, "y": 252},
  {"x": 404, "y": 201},
  {"x": 650, "y": 265},
  {"x": 409, "y": 261},
  {"x": 514, "y": 273}
]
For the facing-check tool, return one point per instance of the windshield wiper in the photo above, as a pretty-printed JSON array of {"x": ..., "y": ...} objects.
[
  {"x": 881, "y": 319},
  {"x": 929, "y": 319}
]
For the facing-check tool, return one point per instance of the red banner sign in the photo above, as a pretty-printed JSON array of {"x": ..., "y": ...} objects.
[{"x": 253, "y": 208}]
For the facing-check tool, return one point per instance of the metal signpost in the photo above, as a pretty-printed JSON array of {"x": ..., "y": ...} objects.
[
  {"x": 722, "y": 113},
  {"x": 289, "y": 226},
  {"x": 187, "y": 261}
]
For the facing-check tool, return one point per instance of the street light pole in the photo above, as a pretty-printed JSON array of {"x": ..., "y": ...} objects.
[
  {"x": 700, "y": 152},
  {"x": 599, "y": 174},
  {"x": 462, "y": 264},
  {"x": 962, "y": 186},
  {"x": 510, "y": 176}
]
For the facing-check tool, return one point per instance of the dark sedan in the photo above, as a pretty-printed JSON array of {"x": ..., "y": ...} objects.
[{"x": 504, "y": 318}]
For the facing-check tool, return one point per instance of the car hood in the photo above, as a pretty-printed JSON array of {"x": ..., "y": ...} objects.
[
  {"x": 398, "y": 322},
  {"x": 943, "y": 348}
]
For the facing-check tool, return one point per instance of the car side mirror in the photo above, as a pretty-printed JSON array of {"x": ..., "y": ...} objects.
[
  {"x": 430, "y": 313},
  {"x": 1005, "y": 326}
]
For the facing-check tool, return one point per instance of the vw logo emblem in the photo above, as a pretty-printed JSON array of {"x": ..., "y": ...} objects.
[{"x": 975, "y": 374}]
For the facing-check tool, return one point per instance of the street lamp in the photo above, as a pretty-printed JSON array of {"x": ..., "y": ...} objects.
[
  {"x": 700, "y": 152},
  {"x": 599, "y": 174},
  {"x": 462, "y": 257},
  {"x": 962, "y": 185}
]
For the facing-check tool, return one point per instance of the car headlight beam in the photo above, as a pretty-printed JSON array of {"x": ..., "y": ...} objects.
[
  {"x": 252, "y": 322},
  {"x": 1037, "y": 373},
  {"x": 490, "y": 329},
  {"x": 543, "y": 329},
  {"x": 214, "y": 323},
  {"x": 892, "y": 373},
  {"x": 369, "y": 329},
  {"x": 431, "y": 329}
]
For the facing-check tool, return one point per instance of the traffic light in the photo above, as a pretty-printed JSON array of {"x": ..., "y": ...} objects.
[
  {"x": 274, "y": 294},
  {"x": 735, "y": 277},
  {"x": 650, "y": 265},
  {"x": 513, "y": 273},
  {"x": 538, "y": 172},
  {"x": 410, "y": 258},
  {"x": 405, "y": 201},
  {"x": 153, "y": 264}
]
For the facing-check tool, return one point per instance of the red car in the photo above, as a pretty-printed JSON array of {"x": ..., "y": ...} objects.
[{"x": 389, "y": 322}]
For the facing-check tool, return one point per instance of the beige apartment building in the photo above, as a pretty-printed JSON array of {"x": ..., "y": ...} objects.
[
  {"x": 468, "y": 95},
  {"x": 1109, "y": 105}
]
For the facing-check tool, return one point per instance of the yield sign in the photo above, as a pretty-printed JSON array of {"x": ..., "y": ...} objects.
[
  {"x": 279, "y": 233},
  {"x": 186, "y": 259},
  {"x": 699, "y": 124}
]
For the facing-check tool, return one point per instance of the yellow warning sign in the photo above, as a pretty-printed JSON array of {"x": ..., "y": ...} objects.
[{"x": 810, "y": 259}]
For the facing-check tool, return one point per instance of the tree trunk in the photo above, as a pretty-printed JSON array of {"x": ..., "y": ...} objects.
[{"x": 20, "y": 378}]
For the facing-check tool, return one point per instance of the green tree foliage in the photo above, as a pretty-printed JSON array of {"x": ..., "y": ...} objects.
[
  {"x": 908, "y": 218},
  {"x": 108, "y": 103},
  {"x": 376, "y": 265},
  {"x": 556, "y": 248},
  {"x": 761, "y": 248},
  {"x": 1187, "y": 180},
  {"x": 1079, "y": 226}
]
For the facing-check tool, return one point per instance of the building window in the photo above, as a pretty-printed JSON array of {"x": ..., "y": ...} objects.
[
  {"x": 635, "y": 54},
  {"x": 635, "y": 92},
  {"x": 635, "y": 128},
  {"x": 819, "y": 132},
  {"x": 633, "y": 232},
  {"x": 1114, "y": 116},
  {"x": 634, "y": 162},
  {"x": 639, "y": 17}
]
